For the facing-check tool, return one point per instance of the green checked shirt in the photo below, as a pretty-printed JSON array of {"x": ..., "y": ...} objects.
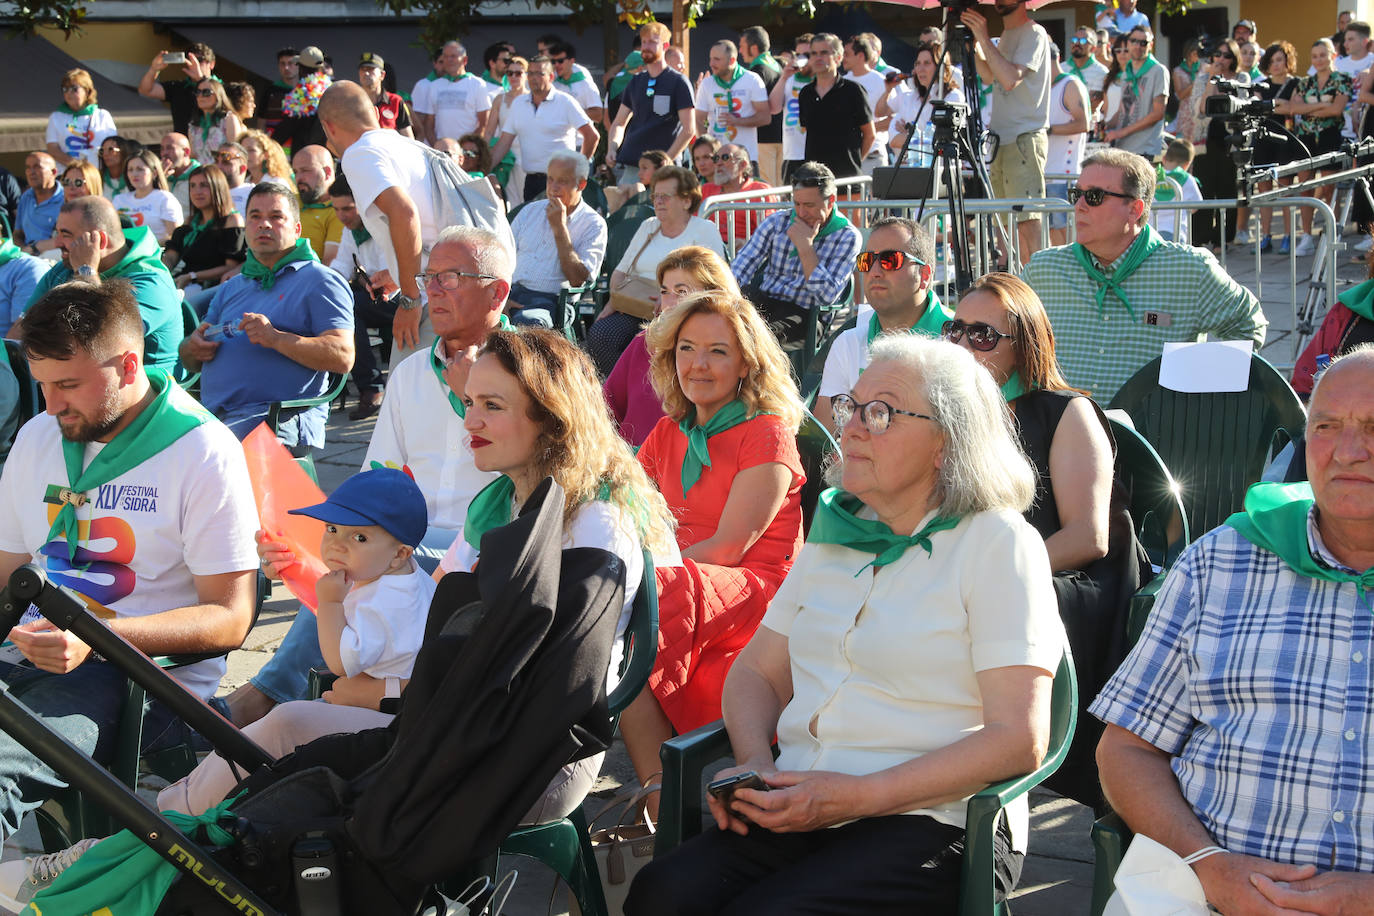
[{"x": 1179, "y": 294}]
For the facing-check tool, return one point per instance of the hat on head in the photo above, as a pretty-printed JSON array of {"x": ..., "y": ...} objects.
[
  {"x": 311, "y": 57},
  {"x": 372, "y": 59},
  {"x": 382, "y": 496}
]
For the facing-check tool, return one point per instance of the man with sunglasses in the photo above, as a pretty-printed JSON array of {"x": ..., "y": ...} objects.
[
  {"x": 898, "y": 270},
  {"x": 544, "y": 121},
  {"x": 1083, "y": 63},
  {"x": 1144, "y": 94},
  {"x": 732, "y": 174},
  {"x": 576, "y": 80},
  {"x": 1119, "y": 293},
  {"x": 802, "y": 257}
]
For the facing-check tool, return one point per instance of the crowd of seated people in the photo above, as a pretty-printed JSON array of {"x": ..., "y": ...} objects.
[{"x": 976, "y": 474}]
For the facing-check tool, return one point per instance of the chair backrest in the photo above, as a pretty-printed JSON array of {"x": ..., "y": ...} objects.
[
  {"x": 1215, "y": 444},
  {"x": 634, "y": 213},
  {"x": 618, "y": 238},
  {"x": 814, "y": 443},
  {"x": 641, "y": 641},
  {"x": 1156, "y": 504},
  {"x": 595, "y": 196},
  {"x": 810, "y": 384},
  {"x": 30, "y": 397}
]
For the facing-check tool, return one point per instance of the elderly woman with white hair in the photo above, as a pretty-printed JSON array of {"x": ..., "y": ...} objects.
[{"x": 905, "y": 663}]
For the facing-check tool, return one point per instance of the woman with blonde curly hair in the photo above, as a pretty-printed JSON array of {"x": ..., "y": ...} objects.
[
  {"x": 265, "y": 156},
  {"x": 725, "y": 458}
]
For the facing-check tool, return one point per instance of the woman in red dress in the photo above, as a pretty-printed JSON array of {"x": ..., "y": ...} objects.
[{"x": 725, "y": 458}]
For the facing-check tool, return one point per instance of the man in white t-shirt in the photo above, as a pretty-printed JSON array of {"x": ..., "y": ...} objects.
[
  {"x": 1083, "y": 64},
  {"x": 1356, "y": 60},
  {"x": 177, "y": 165},
  {"x": 544, "y": 122},
  {"x": 155, "y": 532},
  {"x": 783, "y": 100},
  {"x": 232, "y": 160},
  {"x": 458, "y": 103},
  {"x": 731, "y": 102},
  {"x": 390, "y": 181},
  {"x": 859, "y": 57},
  {"x": 576, "y": 80},
  {"x": 419, "y": 99}
]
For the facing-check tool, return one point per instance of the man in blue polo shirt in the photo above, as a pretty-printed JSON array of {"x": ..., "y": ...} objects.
[
  {"x": 657, "y": 106},
  {"x": 38, "y": 205},
  {"x": 277, "y": 330}
]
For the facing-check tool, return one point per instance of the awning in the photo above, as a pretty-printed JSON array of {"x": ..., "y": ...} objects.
[{"x": 33, "y": 69}]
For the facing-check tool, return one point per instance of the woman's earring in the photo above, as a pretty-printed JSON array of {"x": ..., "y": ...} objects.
[{"x": 740, "y": 387}]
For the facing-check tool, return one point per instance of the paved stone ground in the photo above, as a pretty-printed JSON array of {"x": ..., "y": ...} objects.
[{"x": 1057, "y": 878}]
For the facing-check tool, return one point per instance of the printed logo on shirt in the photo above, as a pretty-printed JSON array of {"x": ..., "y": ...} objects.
[
  {"x": 723, "y": 103},
  {"x": 78, "y": 141},
  {"x": 791, "y": 112},
  {"x": 126, "y": 498},
  {"x": 100, "y": 570}
]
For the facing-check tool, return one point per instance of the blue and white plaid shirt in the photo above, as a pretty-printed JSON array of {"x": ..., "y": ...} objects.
[
  {"x": 771, "y": 249},
  {"x": 1257, "y": 681}
]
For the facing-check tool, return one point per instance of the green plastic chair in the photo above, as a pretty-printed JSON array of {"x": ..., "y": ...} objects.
[
  {"x": 1110, "y": 836},
  {"x": 31, "y": 402},
  {"x": 565, "y": 845},
  {"x": 814, "y": 443},
  {"x": 1156, "y": 500},
  {"x": 685, "y": 758},
  {"x": 819, "y": 324},
  {"x": 1216, "y": 444},
  {"x": 810, "y": 383},
  {"x": 629, "y": 213}
]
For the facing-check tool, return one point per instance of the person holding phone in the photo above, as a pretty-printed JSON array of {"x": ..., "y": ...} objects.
[{"x": 886, "y": 720}]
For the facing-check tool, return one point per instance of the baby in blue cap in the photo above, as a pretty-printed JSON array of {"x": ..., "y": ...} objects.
[{"x": 374, "y": 600}]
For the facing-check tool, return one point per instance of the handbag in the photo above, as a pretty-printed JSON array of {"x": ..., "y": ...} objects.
[
  {"x": 634, "y": 295},
  {"x": 625, "y": 848},
  {"x": 1153, "y": 880}
]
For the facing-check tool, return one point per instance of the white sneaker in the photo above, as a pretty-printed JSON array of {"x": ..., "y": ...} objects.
[
  {"x": 20, "y": 880},
  {"x": 1242, "y": 237},
  {"x": 1306, "y": 246},
  {"x": 1366, "y": 245}
]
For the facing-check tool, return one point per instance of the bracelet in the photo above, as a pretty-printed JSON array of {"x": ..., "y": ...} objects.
[{"x": 1203, "y": 853}]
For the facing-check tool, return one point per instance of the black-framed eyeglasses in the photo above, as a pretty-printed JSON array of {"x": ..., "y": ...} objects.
[
  {"x": 558, "y": 60},
  {"x": 890, "y": 259},
  {"x": 205, "y": 93},
  {"x": 1138, "y": 41},
  {"x": 449, "y": 279},
  {"x": 1094, "y": 197},
  {"x": 981, "y": 335},
  {"x": 876, "y": 416}
]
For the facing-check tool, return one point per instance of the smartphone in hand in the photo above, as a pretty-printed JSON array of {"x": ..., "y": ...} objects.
[{"x": 723, "y": 790}]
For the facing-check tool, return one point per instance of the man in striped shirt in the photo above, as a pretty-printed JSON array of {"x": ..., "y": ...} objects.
[{"x": 1242, "y": 724}]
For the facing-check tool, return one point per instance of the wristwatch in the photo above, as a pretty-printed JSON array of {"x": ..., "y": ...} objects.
[
  {"x": 405, "y": 303},
  {"x": 85, "y": 271}
]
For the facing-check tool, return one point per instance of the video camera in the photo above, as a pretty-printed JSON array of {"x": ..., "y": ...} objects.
[
  {"x": 958, "y": 6},
  {"x": 948, "y": 118},
  {"x": 1232, "y": 101}
]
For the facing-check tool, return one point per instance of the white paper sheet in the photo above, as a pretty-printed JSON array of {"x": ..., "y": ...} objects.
[{"x": 1211, "y": 366}]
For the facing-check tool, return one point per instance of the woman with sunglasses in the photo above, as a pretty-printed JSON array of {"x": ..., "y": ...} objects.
[
  {"x": 508, "y": 172},
  {"x": 79, "y": 179},
  {"x": 1112, "y": 86},
  {"x": 1188, "y": 80},
  {"x": 725, "y": 458},
  {"x": 1214, "y": 168},
  {"x": 79, "y": 126},
  {"x": 215, "y": 124},
  {"x": 1319, "y": 103},
  {"x": 905, "y": 663},
  {"x": 1078, "y": 509}
]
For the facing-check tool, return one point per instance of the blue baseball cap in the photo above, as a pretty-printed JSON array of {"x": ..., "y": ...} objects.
[{"x": 385, "y": 497}]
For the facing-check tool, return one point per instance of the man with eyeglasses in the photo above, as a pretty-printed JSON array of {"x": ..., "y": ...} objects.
[
  {"x": 1120, "y": 293},
  {"x": 275, "y": 331},
  {"x": 545, "y": 122},
  {"x": 800, "y": 259},
  {"x": 232, "y": 160},
  {"x": 1144, "y": 94},
  {"x": 576, "y": 80},
  {"x": 1084, "y": 65},
  {"x": 177, "y": 164},
  {"x": 656, "y": 110},
  {"x": 732, "y": 102},
  {"x": 834, "y": 112},
  {"x": 732, "y": 175},
  {"x": 898, "y": 268},
  {"x": 1019, "y": 69},
  {"x": 392, "y": 111}
]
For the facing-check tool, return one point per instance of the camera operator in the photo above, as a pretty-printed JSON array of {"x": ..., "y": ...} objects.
[
  {"x": 359, "y": 257},
  {"x": 1214, "y": 169},
  {"x": 1019, "y": 70}
]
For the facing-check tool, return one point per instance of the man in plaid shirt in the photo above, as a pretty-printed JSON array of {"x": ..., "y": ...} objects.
[
  {"x": 1118, "y": 294},
  {"x": 1242, "y": 724},
  {"x": 803, "y": 257}
]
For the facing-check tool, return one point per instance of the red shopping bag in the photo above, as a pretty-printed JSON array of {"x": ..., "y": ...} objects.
[{"x": 279, "y": 484}]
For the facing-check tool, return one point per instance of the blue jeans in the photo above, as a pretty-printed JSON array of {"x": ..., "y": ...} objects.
[
  {"x": 83, "y": 706},
  {"x": 536, "y": 309}
]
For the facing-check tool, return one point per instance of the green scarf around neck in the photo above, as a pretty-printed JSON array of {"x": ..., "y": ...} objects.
[
  {"x": 174, "y": 180},
  {"x": 436, "y": 364},
  {"x": 1144, "y": 246},
  {"x": 1013, "y": 387},
  {"x": 1275, "y": 519},
  {"x": 837, "y": 522},
  {"x": 1359, "y": 299},
  {"x": 143, "y": 257},
  {"x": 8, "y": 251},
  {"x": 207, "y": 123},
  {"x": 1077, "y": 71},
  {"x": 433, "y": 76},
  {"x": 768, "y": 61},
  {"x": 198, "y": 225},
  {"x": 835, "y": 223},
  {"x": 360, "y": 235},
  {"x": 502, "y": 82},
  {"x": 1191, "y": 71},
  {"x": 490, "y": 508},
  {"x": 169, "y": 416},
  {"x": 930, "y": 324},
  {"x": 1131, "y": 75},
  {"x": 266, "y": 276},
  {"x": 698, "y": 455},
  {"x": 85, "y": 112},
  {"x": 734, "y": 77},
  {"x": 577, "y": 77}
]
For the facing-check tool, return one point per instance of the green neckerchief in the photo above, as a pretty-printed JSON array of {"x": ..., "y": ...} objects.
[
  {"x": 8, "y": 251},
  {"x": 198, "y": 226},
  {"x": 1255, "y": 75},
  {"x": 1013, "y": 387},
  {"x": 266, "y": 276},
  {"x": 698, "y": 454},
  {"x": 577, "y": 77},
  {"x": 837, "y": 522},
  {"x": 276, "y": 84},
  {"x": 436, "y": 363},
  {"x": 174, "y": 180},
  {"x": 734, "y": 77},
  {"x": 803, "y": 80},
  {"x": 490, "y": 508},
  {"x": 1075, "y": 70},
  {"x": 1191, "y": 71},
  {"x": 503, "y": 82},
  {"x": 881, "y": 65},
  {"x": 317, "y": 206},
  {"x": 769, "y": 61},
  {"x": 1162, "y": 190},
  {"x": 116, "y": 185},
  {"x": 360, "y": 235},
  {"x": 157, "y": 426},
  {"x": 1359, "y": 299},
  {"x": 1275, "y": 519},
  {"x": 1061, "y": 75},
  {"x": 144, "y": 255},
  {"x": 77, "y": 112},
  {"x": 1132, "y": 76},
  {"x": 206, "y": 124},
  {"x": 930, "y": 324},
  {"x": 835, "y": 223},
  {"x": 435, "y": 77},
  {"x": 1144, "y": 246}
]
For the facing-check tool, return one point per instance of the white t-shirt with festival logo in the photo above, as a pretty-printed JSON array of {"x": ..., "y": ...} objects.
[
  {"x": 456, "y": 104},
  {"x": 793, "y": 134},
  {"x": 746, "y": 96},
  {"x": 187, "y": 511},
  {"x": 80, "y": 136},
  {"x": 152, "y": 211}
]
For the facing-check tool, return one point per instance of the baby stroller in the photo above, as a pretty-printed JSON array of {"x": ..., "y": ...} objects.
[{"x": 508, "y": 687}]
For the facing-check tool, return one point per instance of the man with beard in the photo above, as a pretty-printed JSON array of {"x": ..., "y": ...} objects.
[
  {"x": 315, "y": 172},
  {"x": 1019, "y": 69},
  {"x": 177, "y": 163},
  {"x": 127, "y": 491},
  {"x": 1083, "y": 63},
  {"x": 656, "y": 106},
  {"x": 232, "y": 160},
  {"x": 732, "y": 174}
]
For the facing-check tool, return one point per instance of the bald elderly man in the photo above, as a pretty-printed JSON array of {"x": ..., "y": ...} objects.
[
  {"x": 315, "y": 172},
  {"x": 177, "y": 162}
]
